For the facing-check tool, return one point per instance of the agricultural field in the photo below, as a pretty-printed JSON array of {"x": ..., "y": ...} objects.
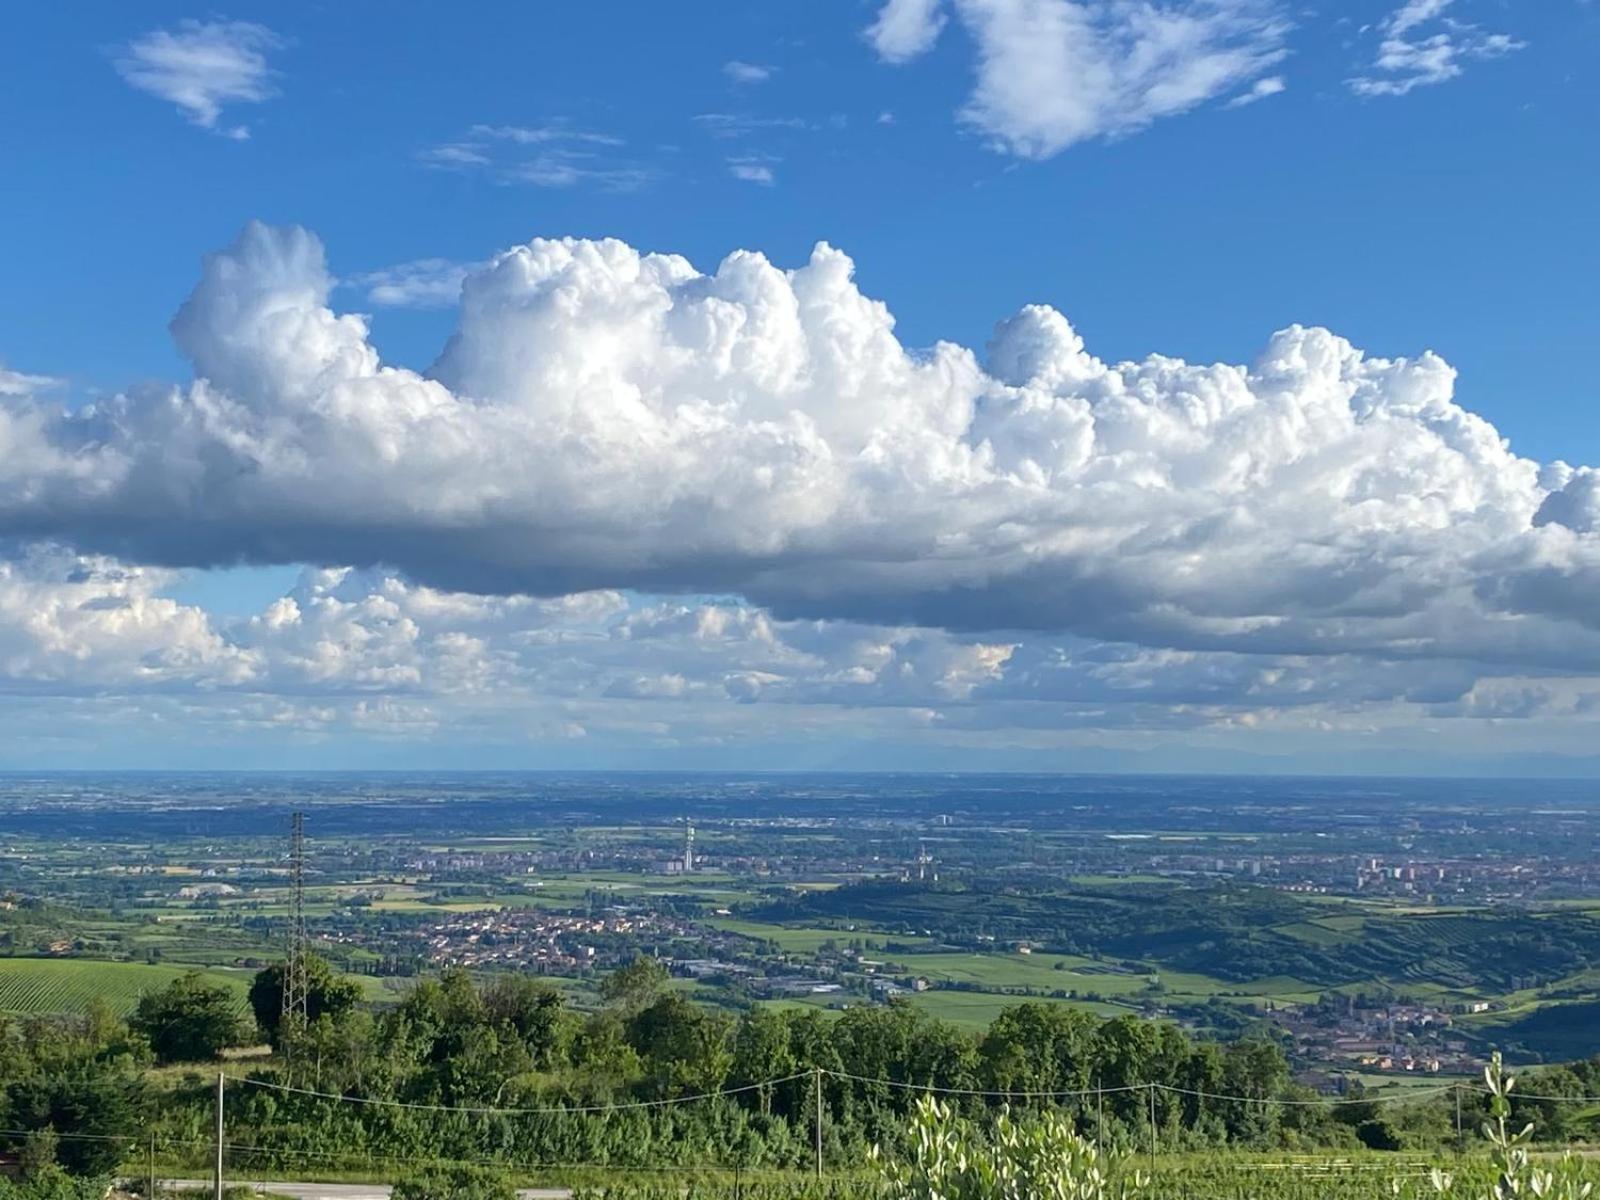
[
  {"x": 808, "y": 939},
  {"x": 1044, "y": 972},
  {"x": 977, "y": 1010},
  {"x": 30, "y": 985}
]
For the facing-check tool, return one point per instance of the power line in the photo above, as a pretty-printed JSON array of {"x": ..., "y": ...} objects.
[
  {"x": 515, "y": 1112},
  {"x": 97, "y": 1137},
  {"x": 1085, "y": 1093},
  {"x": 903, "y": 1085},
  {"x": 1321, "y": 1101},
  {"x": 997, "y": 1095}
]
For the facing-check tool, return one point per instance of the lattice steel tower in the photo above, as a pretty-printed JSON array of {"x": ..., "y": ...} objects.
[{"x": 296, "y": 985}]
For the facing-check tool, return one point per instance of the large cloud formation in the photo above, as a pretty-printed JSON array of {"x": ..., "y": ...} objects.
[{"x": 606, "y": 419}]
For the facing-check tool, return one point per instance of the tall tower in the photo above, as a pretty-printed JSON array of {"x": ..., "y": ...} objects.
[
  {"x": 296, "y": 985},
  {"x": 688, "y": 845},
  {"x": 924, "y": 861}
]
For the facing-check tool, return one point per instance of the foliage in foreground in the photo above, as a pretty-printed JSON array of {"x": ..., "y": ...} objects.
[
  {"x": 1518, "y": 1175},
  {"x": 437, "y": 1073},
  {"x": 52, "y": 1183},
  {"x": 459, "y": 1182},
  {"x": 1039, "y": 1159}
]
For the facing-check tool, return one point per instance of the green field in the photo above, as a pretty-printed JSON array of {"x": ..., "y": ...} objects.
[
  {"x": 61, "y": 985},
  {"x": 810, "y": 940},
  {"x": 977, "y": 1010},
  {"x": 1046, "y": 972}
]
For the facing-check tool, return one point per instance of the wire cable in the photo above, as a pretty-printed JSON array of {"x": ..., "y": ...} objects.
[
  {"x": 547, "y": 1110},
  {"x": 997, "y": 1095}
]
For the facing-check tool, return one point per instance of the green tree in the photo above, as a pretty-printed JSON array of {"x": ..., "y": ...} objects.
[
  {"x": 761, "y": 1052},
  {"x": 635, "y": 985},
  {"x": 604, "y": 1060},
  {"x": 190, "y": 1020},
  {"x": 533, "y": 1012},
  {"x": 97, "y": 1103},
  {"x": 684, "y": 1045},
  {"x": 328, "y": 994}
]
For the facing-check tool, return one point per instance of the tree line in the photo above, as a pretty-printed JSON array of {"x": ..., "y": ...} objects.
[{"x": 661, "y": 1080}]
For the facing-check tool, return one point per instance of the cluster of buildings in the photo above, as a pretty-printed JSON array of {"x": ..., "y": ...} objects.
[
  {"x": 1400, "y": 1036},
  {"x": 531, "y": 939},
  {"x": 1479, "y": 880}
]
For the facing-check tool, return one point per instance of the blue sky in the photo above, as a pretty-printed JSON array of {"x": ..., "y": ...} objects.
[{"x": 1437, "y": 199}]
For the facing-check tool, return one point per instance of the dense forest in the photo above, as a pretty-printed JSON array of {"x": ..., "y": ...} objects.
[{"x": 650, "y": 1079}]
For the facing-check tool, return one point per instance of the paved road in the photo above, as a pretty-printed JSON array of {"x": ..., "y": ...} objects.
[{"x": 336, "y": 1191}]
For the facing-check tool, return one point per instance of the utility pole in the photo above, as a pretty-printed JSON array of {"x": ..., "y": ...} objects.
[
  {"x": 1099, "y": 1119},
  {"x": 819, "y": 1121},
  {"x": 295, "y": 1014},
  {"x": 1461, "y": 1143},
  {"x": 151, "y": 1194},
  {"x": 217, "y": 1182},
  {"x": 1152, "y": 1132}
]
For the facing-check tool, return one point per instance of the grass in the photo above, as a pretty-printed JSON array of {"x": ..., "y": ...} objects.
[{"x": 1025, "y": 970}]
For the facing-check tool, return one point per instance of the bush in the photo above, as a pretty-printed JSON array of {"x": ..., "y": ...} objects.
[
  {"x": 454, "y": 1183},
  {"x": 52, "y": 1183},
  {"x": 1042, "y": 1157}
]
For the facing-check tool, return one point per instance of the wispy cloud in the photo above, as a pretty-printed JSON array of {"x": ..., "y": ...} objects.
[
  {"x": 1421, "y": 45},
  {"x": 570, "y": 168},
  {"x": 736, "y": 125},
  {"x": 906, "y": 28},
  {"x": 455, "y": 156},
  {"x": 203, "y": 66},
  {"x": 541, "y": 135},
  {"x": 1272, "y": 85},
  {"x": 1052, "y": 73},
  {"x": 744, "y": 72},
  {"x": 421, "y": 283},
  {"x": 15, "y": 383},
  {"x": 755, "y": 168},
  {"x": 554, "y": 154}
]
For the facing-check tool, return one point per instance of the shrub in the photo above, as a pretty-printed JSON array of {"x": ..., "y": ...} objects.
[
  {"x": 1042, "y": 1158},
  {"x": 454, "y": 1183},
  {"x": 1518, "y": 1176}
]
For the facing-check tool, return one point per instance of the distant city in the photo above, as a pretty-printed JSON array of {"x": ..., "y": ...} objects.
[{"x": 1376, "y": 929}]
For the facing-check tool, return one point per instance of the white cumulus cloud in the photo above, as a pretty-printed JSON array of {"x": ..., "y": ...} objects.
[{"x": 604, "y": 418}]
